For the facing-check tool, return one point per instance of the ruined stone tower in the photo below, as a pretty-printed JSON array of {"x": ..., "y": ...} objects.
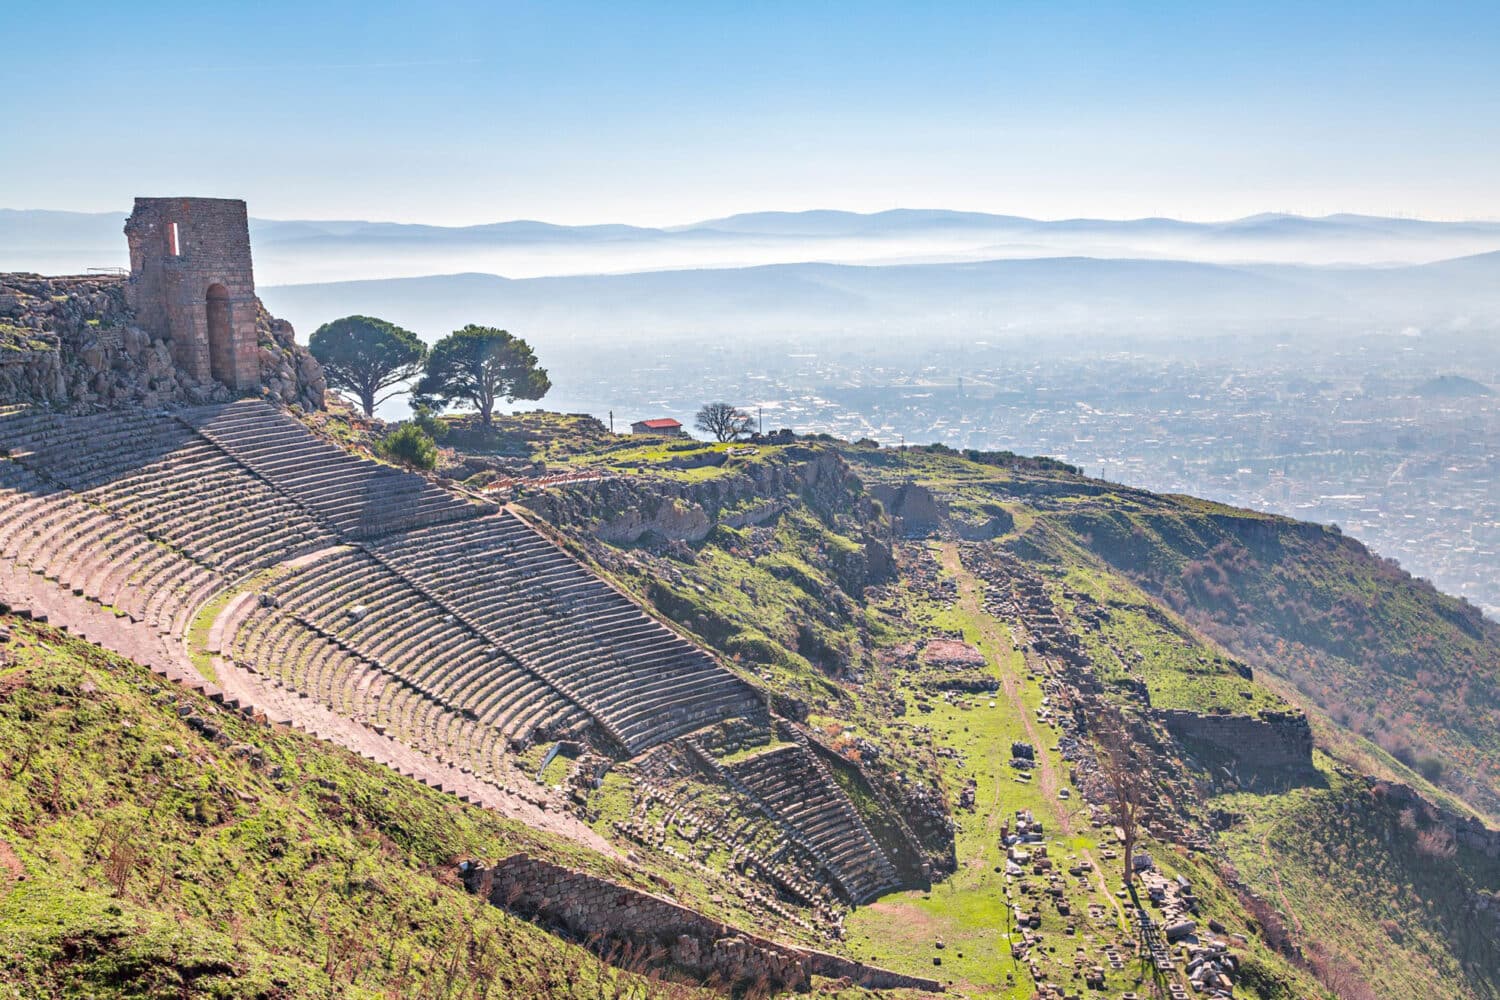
[{"x": 190, "y": 281}]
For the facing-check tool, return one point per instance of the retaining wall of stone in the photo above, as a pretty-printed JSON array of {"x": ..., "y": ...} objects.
[
  {"x": 661, "y": 933},
  {"x": 1268, "y": 741}
]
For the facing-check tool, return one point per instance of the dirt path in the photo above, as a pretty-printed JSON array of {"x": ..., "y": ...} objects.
[
  {"x": 10, "y": 865},
  {"x": 971, "y": 603},
  {"x": 1286, "y": 906},
  {"x": 167, "y": 656}
]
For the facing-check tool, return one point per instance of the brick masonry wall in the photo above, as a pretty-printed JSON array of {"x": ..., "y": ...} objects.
[
  {"x": 169, "y": 292},
  {"x": 661, "y": 932}
]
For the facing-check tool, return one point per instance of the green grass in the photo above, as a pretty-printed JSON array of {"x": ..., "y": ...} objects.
[
  {"x": 197, "y": 634},
  {"x": 680, "y": 460},
  {"x": 768, "y": 597},
  {"x": 1383, "y": 654},
  {"x": 538, "y": 435},
  {"x": 140, "y": 859},
  {"x": 968, "y": 911},
  {"x": 20, "y": 338},
  {"x": 159, "y": 863},
  {"x": 1139, "y": 640},
  {"x": 1358, "y": 887},
  {"x": 1118, "y": 564}
]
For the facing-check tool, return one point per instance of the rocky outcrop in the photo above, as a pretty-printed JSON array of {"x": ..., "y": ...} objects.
[
  {"x": 1466, "y": 831},
  {"x": 631, "y": 510},
  {"x": 72, "y": 343},
  {"x": 663, "y": 517},
  {"x": 289, "y": 373},
  {"x": 640, "y": 510}
]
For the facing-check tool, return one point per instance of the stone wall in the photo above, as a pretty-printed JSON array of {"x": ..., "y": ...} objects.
[
  {"x": 917, "y": 512},
  {"x": 660, "y": 933},
  {"x": 1270, "y": 741}
]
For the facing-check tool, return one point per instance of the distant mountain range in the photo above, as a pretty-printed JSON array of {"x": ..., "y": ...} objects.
[
  {"x": 299, "y": 251},
  {"x": 1264, "y": 226},
  {"x": 893, "y": 274},
  {"x": 1044, "y": 298}
]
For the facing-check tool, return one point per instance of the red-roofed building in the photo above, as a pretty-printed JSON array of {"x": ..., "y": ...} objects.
[{"x": 664, "y": 427}]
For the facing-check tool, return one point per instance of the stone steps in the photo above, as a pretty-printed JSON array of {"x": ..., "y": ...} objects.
[
  {"x": 795, "y": 788},
  {"x": 356, "y": 497},
  {"x": 408, "y": 636},
  {"x": 643, "y": 682}
]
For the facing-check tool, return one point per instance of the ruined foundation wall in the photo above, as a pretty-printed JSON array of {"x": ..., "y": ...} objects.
[{"x": 1467, "y": 831}]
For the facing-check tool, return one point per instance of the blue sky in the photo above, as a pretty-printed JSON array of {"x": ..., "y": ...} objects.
[{"x": 658, "y": 113}]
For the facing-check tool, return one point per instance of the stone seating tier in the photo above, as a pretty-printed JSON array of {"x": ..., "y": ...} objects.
[
  {"x": 151, "y": 513},
  {"x": 164, "y": 480},
  {"x": 306, "y": 662},
  {"x": 82, "y": 452},
  {"x": 790, "y": 785},
  {"x": 405, "y": 633},
  {"x": 644, "y": 682},
  {"x": 357, "y": 497},
  {"x": 50, "y": 532}
]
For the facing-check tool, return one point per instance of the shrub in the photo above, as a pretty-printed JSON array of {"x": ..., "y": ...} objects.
[
  {"x": 1437, "y": 843},
  {"x": 427, "y": 420},
  {"x": 1431, "y": 766},
  {"x": 409, "y": 445}
]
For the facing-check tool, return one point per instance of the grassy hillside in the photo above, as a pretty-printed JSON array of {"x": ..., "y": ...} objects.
[
  {"x": 1376, "y": 891},
  {"x": 1138, "y": 579},
  {"x": 796, "y": 602},
  {"x": 1383, "y": 653},
  {"x": 154, "y": 845},
  {"x": 141, "y": 858}
]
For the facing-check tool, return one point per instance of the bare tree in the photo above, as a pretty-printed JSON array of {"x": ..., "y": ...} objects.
[
  {"x": 1126, "y": 780},
  {"x": 1337, "y": 971},
  {"x": 724, "y": 421},
  {"x": 123, "y": 857}
]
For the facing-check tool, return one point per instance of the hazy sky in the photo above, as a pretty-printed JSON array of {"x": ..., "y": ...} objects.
[{"x": 659, "y": 113}]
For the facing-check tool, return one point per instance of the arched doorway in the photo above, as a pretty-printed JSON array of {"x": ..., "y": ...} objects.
[{"x": 220, "y": 336}]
